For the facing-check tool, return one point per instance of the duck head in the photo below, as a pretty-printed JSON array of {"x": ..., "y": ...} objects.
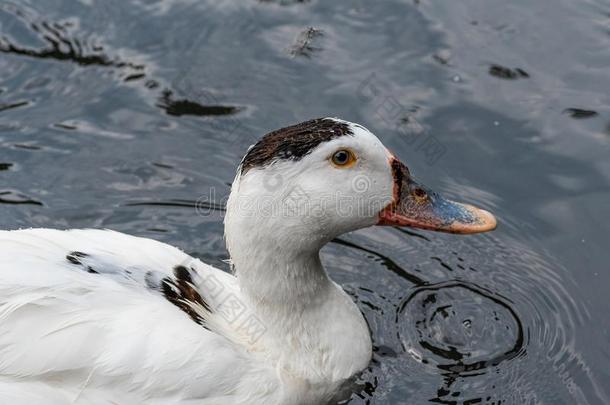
[
  {"x": 313, "y": 181},
  {"x": 295, "y": 190}
]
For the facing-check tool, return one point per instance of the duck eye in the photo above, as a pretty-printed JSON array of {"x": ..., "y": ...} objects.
[{"x": 343, "y": 157}]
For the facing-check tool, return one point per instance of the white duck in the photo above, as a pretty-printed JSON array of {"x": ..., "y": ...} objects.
[{"x": 100, "y": 317}]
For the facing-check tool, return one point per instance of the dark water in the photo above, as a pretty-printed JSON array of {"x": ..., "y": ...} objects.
[{"x": 121, "y": 115}]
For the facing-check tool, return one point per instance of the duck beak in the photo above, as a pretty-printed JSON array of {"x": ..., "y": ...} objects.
[{"x": 416, "y": 206}]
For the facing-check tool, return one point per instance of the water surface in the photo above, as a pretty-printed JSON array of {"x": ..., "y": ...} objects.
[{"x": 122, "y": 115}]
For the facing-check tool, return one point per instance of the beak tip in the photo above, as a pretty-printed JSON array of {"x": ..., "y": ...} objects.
[
  {"x": 490, "y": 220},
  {"x": 486, "y": 221}
]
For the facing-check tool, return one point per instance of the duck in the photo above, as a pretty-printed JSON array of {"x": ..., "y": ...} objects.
[{"x": 94, "y": 316}]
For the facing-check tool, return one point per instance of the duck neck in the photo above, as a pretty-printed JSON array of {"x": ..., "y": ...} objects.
[
  {"x": 277, "y": 278},
  {"x": 313, "y": 330}
]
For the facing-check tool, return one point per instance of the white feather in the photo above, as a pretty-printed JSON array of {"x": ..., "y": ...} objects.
[{"x": 64, "y": 327}]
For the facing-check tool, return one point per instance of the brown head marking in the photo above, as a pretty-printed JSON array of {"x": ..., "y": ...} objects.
[{"x": 293, "y": 142}]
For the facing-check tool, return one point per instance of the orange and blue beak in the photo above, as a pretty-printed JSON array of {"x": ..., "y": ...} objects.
[{"x": 416, "y": 206}]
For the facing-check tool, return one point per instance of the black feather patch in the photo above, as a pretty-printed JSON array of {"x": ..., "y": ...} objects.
[
  {"x": 293, "y": 142},
  {"x": 180, "y": 291},
  {"x": 77, "y": 259}
]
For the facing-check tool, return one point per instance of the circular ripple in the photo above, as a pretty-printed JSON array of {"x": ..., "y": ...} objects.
[{"x": 459, "y": 327}]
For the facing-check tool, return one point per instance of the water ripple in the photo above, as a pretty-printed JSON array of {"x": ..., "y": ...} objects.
[{"x": 459, "y": 327}]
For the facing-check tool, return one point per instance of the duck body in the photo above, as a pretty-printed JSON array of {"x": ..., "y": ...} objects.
[
  {"x": 87, "y": 317},
  {"x": 100, "y": 317}
]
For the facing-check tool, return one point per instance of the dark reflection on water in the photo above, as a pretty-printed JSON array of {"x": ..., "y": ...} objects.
[
  {"x": 60, "y": 43},
  {"x": 187, "y": 107},
  {"x": 580, "y": 113},
  {"x": 17, "y": 104},
  {"x": 133, "y": 116},
  {"x": 386, "y": 262},
  {"x": 15, "y": 197},
  {"x": 507, "y": 73}
]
